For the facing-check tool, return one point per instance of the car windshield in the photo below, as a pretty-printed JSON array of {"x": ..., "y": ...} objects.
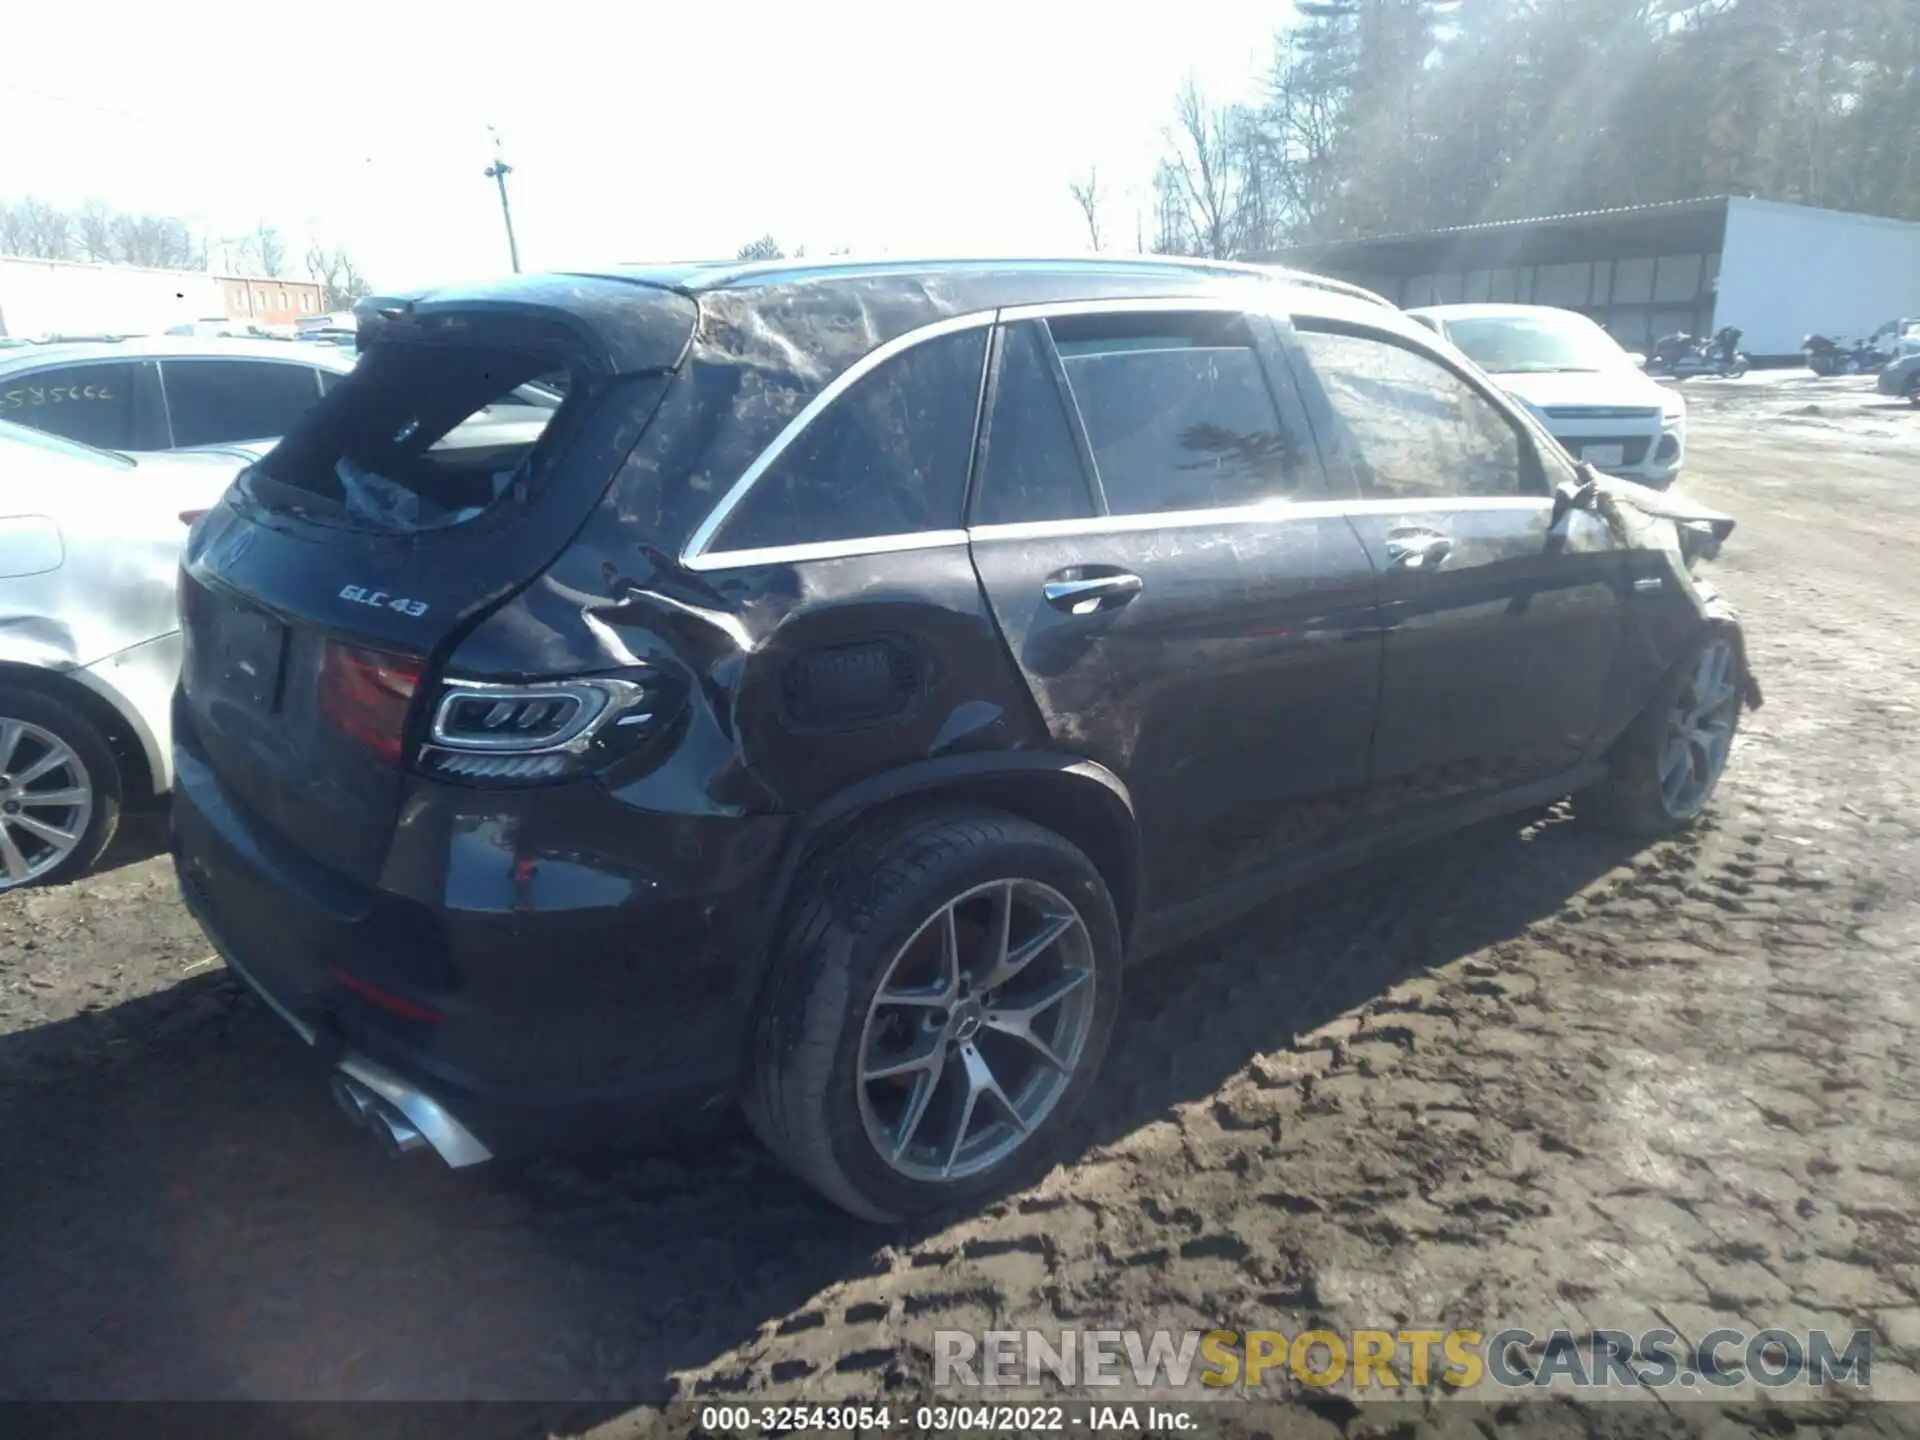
[
  {"x": 72, "y": 449},
  {"x": 1535, "y": 344}
]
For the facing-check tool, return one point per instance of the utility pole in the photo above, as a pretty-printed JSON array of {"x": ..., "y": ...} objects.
[{"x": 498, "y": 172}]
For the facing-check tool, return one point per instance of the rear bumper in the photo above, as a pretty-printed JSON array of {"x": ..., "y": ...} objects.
[{"x": 532, "y": 996}]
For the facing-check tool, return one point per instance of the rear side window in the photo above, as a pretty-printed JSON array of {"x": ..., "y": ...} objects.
[
  {"x": 214, "y": 402},
  {"x": 114, "y": 405},
  {"x": 1030, "y": 463},
  {"x": 1412, "y": 428},
  {"x": 1178, "y": 412},
  {"x": 888, "y": 457}
]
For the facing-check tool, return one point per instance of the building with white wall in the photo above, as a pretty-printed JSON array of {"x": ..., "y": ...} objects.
[
  {"x": 41, "y": 298},
  {"x": 1778, "y": 272}
]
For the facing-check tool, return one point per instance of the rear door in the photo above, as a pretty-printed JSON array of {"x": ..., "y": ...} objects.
[
  {"x": 109, "y": 404},
  {"x": 1501, "y": 625},
  {"x": 1160, "y": 548},
  {"x": 325, "y": 588}
]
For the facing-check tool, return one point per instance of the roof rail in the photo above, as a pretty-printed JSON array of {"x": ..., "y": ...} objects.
[{"x": 1306, "y": 279}]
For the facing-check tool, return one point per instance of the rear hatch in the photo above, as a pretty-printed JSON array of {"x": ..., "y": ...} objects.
[{"x": 423, "y": 490}]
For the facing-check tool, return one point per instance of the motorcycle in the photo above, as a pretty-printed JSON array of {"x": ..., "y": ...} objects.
[
  {"x": 1683, "y": 357},
  {"x": 1826, "y": 356}
]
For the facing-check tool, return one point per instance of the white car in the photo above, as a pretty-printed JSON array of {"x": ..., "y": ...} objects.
[
  {"x": 89, "y": 638},
  {"x": 1590, "y": 394}
]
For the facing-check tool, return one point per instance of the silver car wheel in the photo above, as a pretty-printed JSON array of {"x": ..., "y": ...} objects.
[
  {"x": 46, "y": 800},
  {"x": 1700, "y": 732},
  {"x": 976, "y": 1030}
]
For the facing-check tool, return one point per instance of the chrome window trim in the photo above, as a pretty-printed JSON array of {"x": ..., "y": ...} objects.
[
  {"x": 1265, "y": 511},
  {"x": 825, "y": 550},
  {"x": 696, "y": 547}
]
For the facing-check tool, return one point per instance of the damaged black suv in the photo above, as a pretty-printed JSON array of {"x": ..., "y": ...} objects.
[{"x": 817, "y": 706}]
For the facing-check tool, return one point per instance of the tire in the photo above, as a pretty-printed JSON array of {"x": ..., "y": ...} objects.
[
  {"x": 26, "y": 858},
  {"x": 1913, "y": 391},
  {"x": 873, "y": 912},
  {"x": 1633, "y": 797}
]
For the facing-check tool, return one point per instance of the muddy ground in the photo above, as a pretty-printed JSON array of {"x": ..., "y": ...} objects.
[{"x": 1526, "y": 1075}]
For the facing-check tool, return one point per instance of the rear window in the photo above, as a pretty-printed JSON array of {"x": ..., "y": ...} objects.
[{"x": 415, "y": 438}]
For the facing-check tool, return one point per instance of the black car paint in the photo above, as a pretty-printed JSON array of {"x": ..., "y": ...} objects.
[{"x": 592, "y": 948}]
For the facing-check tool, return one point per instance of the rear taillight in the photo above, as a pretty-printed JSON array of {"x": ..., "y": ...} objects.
[
  {"x": 190, "y": 518},
  {"x": 487, "y": 732},
  {"x": 366, "y": 694}
]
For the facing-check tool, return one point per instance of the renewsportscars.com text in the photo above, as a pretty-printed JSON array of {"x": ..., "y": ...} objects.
[{"x": 1409, "y": 1358}]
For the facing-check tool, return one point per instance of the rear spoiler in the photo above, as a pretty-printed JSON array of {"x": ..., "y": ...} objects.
[{"x": 610, "y": 325}]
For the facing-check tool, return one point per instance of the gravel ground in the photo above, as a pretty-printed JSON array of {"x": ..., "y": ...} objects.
[{"x": 1528, "y": 1075}]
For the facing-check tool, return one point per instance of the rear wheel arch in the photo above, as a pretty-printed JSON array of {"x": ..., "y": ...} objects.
[
  {"x": 135, "y": 778},
  {"x": 1080, "y": 800}
]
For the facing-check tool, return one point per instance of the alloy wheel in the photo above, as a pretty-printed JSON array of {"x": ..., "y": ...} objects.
[
  {"x": 976, "y": 1030},
  {"x": 1700, "y": 731},
  {"x": 46, "y": 800}
]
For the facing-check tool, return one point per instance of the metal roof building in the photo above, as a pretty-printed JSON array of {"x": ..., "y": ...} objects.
[{"x": 1776, "y": 271}]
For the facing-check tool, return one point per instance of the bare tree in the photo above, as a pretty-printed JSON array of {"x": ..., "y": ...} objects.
[
  {"x": 93, "y": 228},
  {"x": 46, "y": 232},
  {"x": 765, "y": 248},
  {"x": 1086, "y": 194},
  {"x": 269, "y": 251},
  {"x": 13, "y": 228},
  {"x": 339, "y": 279},
  {"x": 1202, "y": 164}
]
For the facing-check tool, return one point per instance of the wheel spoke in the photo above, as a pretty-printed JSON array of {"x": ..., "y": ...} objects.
[
  {"x": 16, "y": 863},
  {"x": 936, "y": 997},
  {"x": 925, "y": 1083},
  {"x": 9, "y": 742},
  {"x": 980, "y": 1083},
  {"x": 55, "y": 757},
  {"x": 999, "y": 937},
  {"x": 1016, "y": 1022},
  {"x": 1676, "y": 759},
  {"x": 924, "y": 1056},
  {"x": 1013, "y": 961},
  {"x": 65, "y": 798},
  {"x": 52, "y": 834}
]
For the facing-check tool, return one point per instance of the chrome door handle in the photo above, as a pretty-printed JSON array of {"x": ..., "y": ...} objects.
[
  {"x": 1096, "y": 592},
  {"x": 1417, "y": 550}
]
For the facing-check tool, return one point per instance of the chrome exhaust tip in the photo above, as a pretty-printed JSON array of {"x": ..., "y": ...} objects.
[
  {"x": 390, "y": 1129},
  {"x": 401, "y": 1117},
  {"x": 354, "y": 1100}
]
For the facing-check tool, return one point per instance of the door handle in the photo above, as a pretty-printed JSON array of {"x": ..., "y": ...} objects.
[
  {"x": 1417, "y": 549},
  {"x": 1083, "y": 596}
]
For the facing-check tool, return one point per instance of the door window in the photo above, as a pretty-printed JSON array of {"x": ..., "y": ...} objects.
[
  {"x": 1179, "y": 413},
  {"x": 214, "y": 402},
  {"x": 1413, "y": 428},
  {"x": 113, "y": 405},
  {"x": 1030, "y": 462},
  {"x": 888, "y": 457}
]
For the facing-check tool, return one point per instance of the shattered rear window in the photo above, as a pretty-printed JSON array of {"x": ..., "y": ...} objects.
[{"x": 416, "y": 438}]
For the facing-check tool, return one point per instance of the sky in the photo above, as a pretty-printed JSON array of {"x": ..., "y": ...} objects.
[{"x": 637, "y": 132}]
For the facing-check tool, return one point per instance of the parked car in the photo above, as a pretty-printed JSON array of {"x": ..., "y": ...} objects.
[
  {"x": 864, "y": 662},
  {"x": 90, "y": 651},
  {"x": 1577, "y": 380},
  {"x": 185, "y": 392},
  {"x": 1902, "y": 377}
]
